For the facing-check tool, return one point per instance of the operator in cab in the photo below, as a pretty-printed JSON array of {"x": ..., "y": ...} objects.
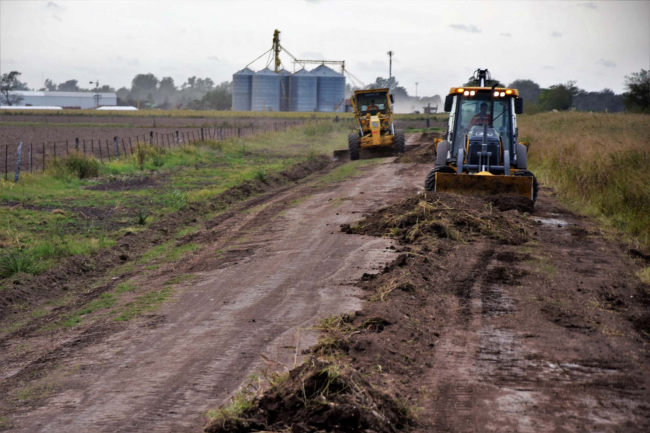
[
  {"x": 372, "y": 106},
  {"x": 481, "y": 118}
]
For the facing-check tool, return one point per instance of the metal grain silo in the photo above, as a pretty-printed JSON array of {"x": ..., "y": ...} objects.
[
  {"x": 242, "y": 89},
  {"x": 266, "y": 91},
  {"x": 331, "y": 89},
  {"x": 304, "y": 91},
  {"x": 284, "y": 89}
]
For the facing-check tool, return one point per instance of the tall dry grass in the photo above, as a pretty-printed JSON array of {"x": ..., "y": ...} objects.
[{"x": 599, "y": 163}]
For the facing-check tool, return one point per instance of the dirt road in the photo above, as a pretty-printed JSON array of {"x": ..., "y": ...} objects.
[
  {"x": 494, "y": 321},
  {"x": 268, "y": 275}
]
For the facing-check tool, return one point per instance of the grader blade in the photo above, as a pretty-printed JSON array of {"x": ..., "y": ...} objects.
[
  {"x": 484, "y": 185},
  {"x": 371, "y": 152}
]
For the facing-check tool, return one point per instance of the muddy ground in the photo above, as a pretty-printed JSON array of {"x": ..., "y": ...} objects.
[{"x": 478, "y": 320}]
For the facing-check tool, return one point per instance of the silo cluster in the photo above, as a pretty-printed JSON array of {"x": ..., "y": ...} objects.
[
  {"x": 242, "y": 89},
  {"x": 321, "y": 89}
]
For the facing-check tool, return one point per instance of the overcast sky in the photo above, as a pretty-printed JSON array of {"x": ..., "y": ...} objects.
[{"x": 436, "y": 43}]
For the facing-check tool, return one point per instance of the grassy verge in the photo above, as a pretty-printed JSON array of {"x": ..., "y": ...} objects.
[
  {"x": 599, "y": 163},
  {"x": 47, "y": 217}
]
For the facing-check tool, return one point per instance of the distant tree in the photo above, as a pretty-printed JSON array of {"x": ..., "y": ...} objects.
[
  {"x": 558, "y": 97},
  {"x": 8, "y": 84},
  {"x": 69, "y": 86},
  {"x": 204, "y": 84},
  {"x": 605, "y": 100},
  {"x": 143, "y": 84},
  {"x": 219, "y": 98},
  {"x": 49, "y": 85},
  {"x": 528, "y": 90},
  {"x": 637, "y": 97},
  {"x": 167, "y": 85},
  {"x": 104, "y": 89},
  {"x": 383, "y": 83}
]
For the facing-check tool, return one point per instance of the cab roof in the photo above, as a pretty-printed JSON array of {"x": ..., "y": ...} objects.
[
  {"x": 460, "y": 90},
  {"x": 361, "y": 92}
]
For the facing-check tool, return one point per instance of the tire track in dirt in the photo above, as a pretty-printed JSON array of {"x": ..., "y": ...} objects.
[
  {"x": 520, "y": 353},
  {"x": 297, "y": 267}
]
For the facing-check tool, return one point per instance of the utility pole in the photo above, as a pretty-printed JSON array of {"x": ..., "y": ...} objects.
[
  {"x": 416, "y": 89},
  {"x": 96, "y": 96},
  {"x": 390, "y": 72}
]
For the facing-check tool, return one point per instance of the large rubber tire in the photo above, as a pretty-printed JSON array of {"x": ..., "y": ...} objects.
[
  {"x": 441, "y": 153},
  {"x": 430, "y": 181},
  {"x": 522, "y": 157},
  {"x": 353, "y": 146},
  {"x": 535, "y": 184},
  {"x": 399, "y": 141}
]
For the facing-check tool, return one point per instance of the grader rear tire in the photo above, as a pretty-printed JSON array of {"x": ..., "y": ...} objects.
[
  {"x": 353, "y": 146},
  {"x": 399, "y": 141}
]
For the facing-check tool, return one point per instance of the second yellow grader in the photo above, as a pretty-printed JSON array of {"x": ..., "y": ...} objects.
[{"x": 373, "y": 113}]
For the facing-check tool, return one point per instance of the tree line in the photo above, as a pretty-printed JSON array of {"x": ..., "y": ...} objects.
[
  {"x": 568, "y": 96},
  {"x": 146, "y": 91},
  {"x": 196, "y": 93}
]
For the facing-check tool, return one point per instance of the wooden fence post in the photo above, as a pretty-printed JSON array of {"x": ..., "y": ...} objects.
[
  {"x": 76, "y": 144},
  {"x": 117, "y": 147},
  {"x": 108, "y": 151},
  {"x": 43, "y": 157},
  {"x": 92, "y": 147},
  {"x": 101, "y": 158},
  {"x": 55, "y": 151},
  {"x": 18, "y": 158},
  {"x": 30, "y": 156},
  {"x": 202, "y": 138},
  {"x": 124, "y": 147},
  {"x": 131, "y": 145},
  {"x": 84, "y": 147},
  {"x": 6, "y": 162},
  {"x": 151, "y": 137},
  {"x": 178, "y": 139},
  {"x": 67, "y": 150}
]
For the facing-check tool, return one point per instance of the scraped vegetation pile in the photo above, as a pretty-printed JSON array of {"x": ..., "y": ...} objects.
[
  {"x": 425, "y": 154},
  {"x": 448, "y": 216},
  {"x": 365, "y": 373},
  {"x": 317, "y": 396}
]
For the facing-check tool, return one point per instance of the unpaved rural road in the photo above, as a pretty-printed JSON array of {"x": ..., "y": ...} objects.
[
  {"x": 286, "y": 265},
  {"x": 531, "y": 338}
]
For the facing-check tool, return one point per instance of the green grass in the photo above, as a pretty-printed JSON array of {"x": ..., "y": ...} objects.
[
  {"x": 644, "y": 275},
  {"x": 346, "y": 171},
  {"x": 599, "y": 163},
  {"x": 143, "y": 304},
  {"x": 51, "y": 216},
  {"x": 37, "y": 392}
]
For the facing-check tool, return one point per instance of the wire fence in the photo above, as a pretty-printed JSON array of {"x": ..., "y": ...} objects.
[
  {"x": 30, "y": 157},
  {"x": 36, "y": 157}
]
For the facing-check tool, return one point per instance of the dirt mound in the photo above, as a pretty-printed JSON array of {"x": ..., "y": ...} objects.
[
  {"x": 506, "y": 202},
  {"x": 445, "y": 216},
  {"x": 425, "y": 154},
  {"x": 318, "y": 396}
]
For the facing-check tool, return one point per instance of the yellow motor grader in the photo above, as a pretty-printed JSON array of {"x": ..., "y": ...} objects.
[
  {"x": 376, "y": 132},
  {"x": 480, "y": 153}
]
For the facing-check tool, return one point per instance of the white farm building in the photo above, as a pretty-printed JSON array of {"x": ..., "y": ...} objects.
[{"x": 66, "y": 99}]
